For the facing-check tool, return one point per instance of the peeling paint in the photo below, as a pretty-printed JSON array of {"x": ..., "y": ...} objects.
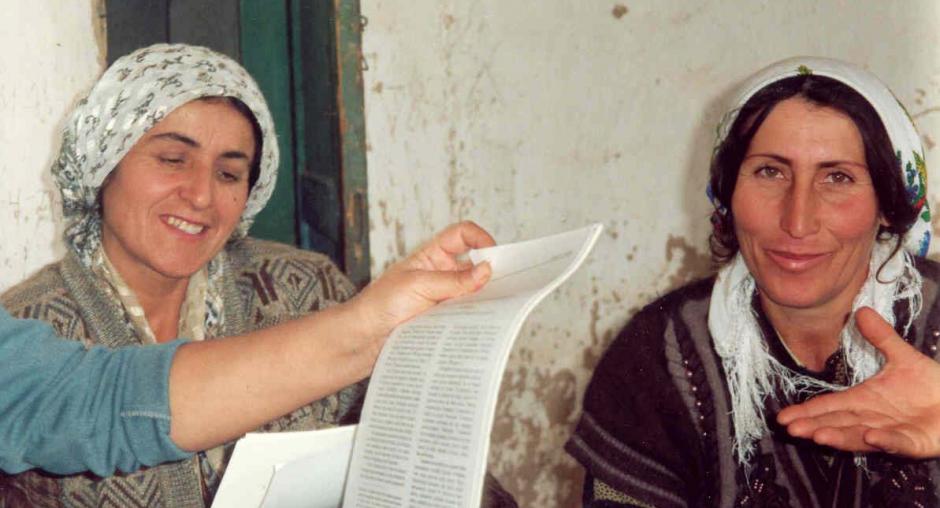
[
  {"x": 531, "y": 122},
  {"x": 448, "y": 21},
  {"x": 55, "y": 50},
  {"x": 925, "y": 112},
  {"x": 400, "y": 247},
  {"x": 537, "y": 409},
  {"x": 694, "y": 264},
  {"x": 100, "y": 23},
  {"x": 383, "y": 208},
  {"x": 632, "y": 254},
  {"x": 489, "y": 111}
]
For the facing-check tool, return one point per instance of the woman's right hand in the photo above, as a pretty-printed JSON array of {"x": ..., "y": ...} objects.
[
  {"x": 433, "y": 273},
  {"x": 896, "y": 411}
]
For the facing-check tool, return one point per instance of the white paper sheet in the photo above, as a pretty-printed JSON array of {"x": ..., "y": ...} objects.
[
  {"x": 424, "y": 433},
  {"x": 425, "y": 428},
  {"x": 311, "y": 469}
]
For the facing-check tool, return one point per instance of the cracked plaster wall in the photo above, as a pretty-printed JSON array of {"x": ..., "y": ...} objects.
[
  {"x": 529, "y": 117},
  {"x": 532, "y": 117},
  {"x": 51, "y": 55}
]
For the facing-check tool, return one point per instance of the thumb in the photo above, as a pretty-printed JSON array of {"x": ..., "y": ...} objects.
[
  {"x": 442, "y": 285},
  {"x": 880, "y": 334},
  {"x": 890, "y": 441}
]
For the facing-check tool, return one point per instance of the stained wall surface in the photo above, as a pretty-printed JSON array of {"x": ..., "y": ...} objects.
[
  {"x": 50, "y": 55},
  {"x": 529, "y": 117},
  {"x": 532, "y": 117}
]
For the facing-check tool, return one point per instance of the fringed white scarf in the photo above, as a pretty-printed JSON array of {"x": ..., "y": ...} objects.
[{"x": 754, "y": 375}]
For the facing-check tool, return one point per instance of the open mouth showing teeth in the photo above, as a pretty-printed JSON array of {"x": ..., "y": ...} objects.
[{"x": 186, "y": 227}]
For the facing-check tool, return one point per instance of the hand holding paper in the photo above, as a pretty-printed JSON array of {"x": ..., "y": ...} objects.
[{"x": 424, "y": 434}]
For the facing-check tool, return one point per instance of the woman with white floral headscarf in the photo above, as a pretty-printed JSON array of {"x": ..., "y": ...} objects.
[
  {"x": 162, "y": 169},
  {"x": 821, "y": 220}
]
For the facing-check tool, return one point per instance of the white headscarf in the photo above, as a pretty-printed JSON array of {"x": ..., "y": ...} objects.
[
  {"x": 135, "y": 93},
  {"x": 753, "y": 375}
]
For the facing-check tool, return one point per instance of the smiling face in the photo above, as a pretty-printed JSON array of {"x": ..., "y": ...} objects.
[
  {"x": 175, "y": 198},
  {"x": 805, "y": 210}
]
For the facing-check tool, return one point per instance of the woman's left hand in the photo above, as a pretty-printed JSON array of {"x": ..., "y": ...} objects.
[{"x": 896, "y": 411}]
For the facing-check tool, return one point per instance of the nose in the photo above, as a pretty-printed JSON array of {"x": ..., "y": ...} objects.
[
  {"x": 198, "y": 188},
  {"x": 799, "y": 217}
]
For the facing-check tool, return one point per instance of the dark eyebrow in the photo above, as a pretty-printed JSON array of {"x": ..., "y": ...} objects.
[
  {"x": 175, "y": 136},
  {"x": 825, "y": 164},
  {"x": 779, "y": 158},
  {"x": 186, "y": 140},
  {"x": 234, "y": 154},
  {"x": 832, "y": 164}
]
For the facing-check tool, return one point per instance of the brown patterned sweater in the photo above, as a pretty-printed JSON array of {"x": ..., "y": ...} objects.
[{"x": 267, "y": 283}]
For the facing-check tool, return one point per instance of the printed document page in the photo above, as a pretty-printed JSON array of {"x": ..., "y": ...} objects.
[{"x": 425, "y": 429}]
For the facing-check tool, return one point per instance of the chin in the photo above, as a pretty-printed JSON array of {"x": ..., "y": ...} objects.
[
  {"x": 794, "y": 295},
  {"x": 180, "y": 269}
]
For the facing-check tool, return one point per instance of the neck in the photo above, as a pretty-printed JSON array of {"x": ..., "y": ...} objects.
[
  {"x": 811, "y": 335},
  {"x": 162, "y": 308},
  {"x": 160, "y": 296}
]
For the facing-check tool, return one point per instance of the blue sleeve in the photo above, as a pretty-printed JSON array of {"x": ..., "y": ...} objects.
[{"x": 66, "y": 409}]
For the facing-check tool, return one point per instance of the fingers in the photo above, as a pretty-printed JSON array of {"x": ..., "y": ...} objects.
[
  {"x": 443, "y": 285},
  {"x": 850, "y": 439},
  {"x": 807, "y": 427},
  {"x": 864, "y": 439},
  {"x": 441, "y": 252},
  {"x": 881, "y": 334},
  {"x": 867, "y": 431},
  {"x": 892, "y": 441},
  {"x": 464, "y": 264},
  {"x": 843, "y": 430},
  {"x": 463, "y": 236},
  {"x": 822, "y": 404}
]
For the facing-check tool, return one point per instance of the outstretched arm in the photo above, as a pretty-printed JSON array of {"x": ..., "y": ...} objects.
[
  {"x": 66, "y": 409},
  {"x": 221, "y": 389},
  {"x": 896, "y": 411}
]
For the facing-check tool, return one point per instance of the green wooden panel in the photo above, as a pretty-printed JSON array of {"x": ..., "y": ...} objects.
[
  {"x": 330, "y": 132},
  {"x": 352, "y": 130},
  {"x": 317, "y": 127},
  {"x": 266, "y": 54}
]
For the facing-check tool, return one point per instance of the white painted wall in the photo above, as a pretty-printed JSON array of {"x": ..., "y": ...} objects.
[
  {"x": 530, "y": 117},
  {"x": 49, "y": 56},
  {"x": 536, "y": 116}
]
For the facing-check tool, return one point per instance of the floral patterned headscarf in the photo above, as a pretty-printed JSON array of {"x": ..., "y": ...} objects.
[
  {"x": 135, "y": 93},
  {"x": 753, "y": 375}
]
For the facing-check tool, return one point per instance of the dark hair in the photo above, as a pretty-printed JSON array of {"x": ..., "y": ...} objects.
[
  {"x": 249, "y": 115},
  {"x": 884, "y": 165}
]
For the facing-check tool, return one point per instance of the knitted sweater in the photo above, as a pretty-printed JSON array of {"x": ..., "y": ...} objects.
[
  {"x": 657, "y": 428},
  {"x": 267, "y": 283}
]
